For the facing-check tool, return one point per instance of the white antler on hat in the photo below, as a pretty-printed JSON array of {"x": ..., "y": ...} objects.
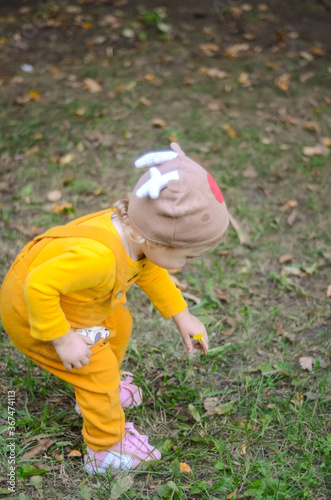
[
  {"x": 157, "y": 181},
  {"x": 155, "y": 158}
]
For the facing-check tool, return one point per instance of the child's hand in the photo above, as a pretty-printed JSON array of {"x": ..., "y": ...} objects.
[
  {"x": 73, "y": 349},
  {"x": 189, "y": 326}
]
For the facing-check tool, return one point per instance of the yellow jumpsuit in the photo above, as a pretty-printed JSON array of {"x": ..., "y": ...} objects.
[{"x": 76, "y": 276}]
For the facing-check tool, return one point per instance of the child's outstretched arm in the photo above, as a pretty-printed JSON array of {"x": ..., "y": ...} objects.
[
  {"x": 73, "y": 349},
  {"x": 189, "y": 327}
]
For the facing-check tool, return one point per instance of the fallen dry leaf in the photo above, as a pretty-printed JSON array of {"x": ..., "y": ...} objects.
[
  {"x": 221, "y": 295},
  {"x": 328, "y": 292},
  {"x": 306, "y": 55},
  {"x": 65, "y": 207},
  {"x": 74, "y": 454},
  {"x": 182, "y": 285},
  {"x": 189, "y": 296},
  {"x": 244, "y": 79},
  {"x": 32, "y": 151},
  {"x": 288, "y": 204},
  {"x": 217, "y": 105},
  {"x": 229, "y": 130},
  {"x": 327, "y": 141},
  {"x": 43, "y": 445},
  {"x": 230, "y": 495},
  {"x": 57, "y": 455},
  {"x": 285, "y": 258},
  {"x": 255, "y": 291},
  {"x": 306, "y": 363},
  {"x": 213, "y": 72},
  {"x": 298, "y": 399},
  {"x": 312, "y": 127},
  {"x": 158, "y": 123},
  {"x": 243, "y": 449},
  {"x": 34, "y": 95},
  {"x": 246, "y": 425},
  {"x": 184, "y": 467},
  {"x": 66, "y": 158},
  {"x": 174, "y": 271},
  {"x": 290, "y": 270},
  {"x": 144, "y": 101},
  {"x": 54, "y": 195},
  {"x": 317, "y": 51},
  {"x": 306, "y": 76},
  {"x": 242, "y": 235},
  {"x": 291, "y": 218},
  {"x": 289, "y": 120},
  {"x": 234, "y": 50},
  {"x": 92, "y": 85},
  {"x": 250, "y": 172},
  {"x": 318, "y": 150},
  {"x": 283, "y": 81},
  {"x": 209, "y": 48}
]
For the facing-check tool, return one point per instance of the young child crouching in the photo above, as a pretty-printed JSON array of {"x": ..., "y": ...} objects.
[{"x": 62, "y": 301}]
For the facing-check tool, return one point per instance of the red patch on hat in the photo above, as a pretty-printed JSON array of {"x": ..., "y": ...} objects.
[{"x": 215, "y": 189}]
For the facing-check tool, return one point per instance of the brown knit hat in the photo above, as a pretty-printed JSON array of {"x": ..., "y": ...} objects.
[{"x": 178, "y": 203}]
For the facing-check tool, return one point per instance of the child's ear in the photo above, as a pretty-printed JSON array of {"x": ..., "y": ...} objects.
[{"x": 176, "y": 147}]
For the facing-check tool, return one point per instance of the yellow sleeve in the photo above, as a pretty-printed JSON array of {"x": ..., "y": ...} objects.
[
  {"x": 162, "y": 291},
  {"x": 80, "y": 268}
]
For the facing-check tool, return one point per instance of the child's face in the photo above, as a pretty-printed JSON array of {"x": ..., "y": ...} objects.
[{"x": 173, "y": 258}]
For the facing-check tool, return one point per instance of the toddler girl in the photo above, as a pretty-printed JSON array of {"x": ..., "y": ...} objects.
[{"x": 75, "y": 277}]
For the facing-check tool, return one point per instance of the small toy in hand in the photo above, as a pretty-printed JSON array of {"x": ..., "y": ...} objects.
[
  {"x": 95, "y": 333},
  {"x": 200, "y": 342}
]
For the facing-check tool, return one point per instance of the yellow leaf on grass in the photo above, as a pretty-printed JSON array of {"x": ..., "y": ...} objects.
[
  {"x": 65, "y": 207},
  {"x": 34, "y": 95},
  {"x": 244, "y": 79},
  {"x": 184, "y": 467},
  {"x": 229, "y": 130},
  {"x": 317, "y": 51},
  {"x": 230, "y": 495},
  {"x": 243, "y": 449},
  {"x": 74, "y": 453},
  {"x": 312, "y": 127},
  {"x": 66, "y": 158},
  {"x": 327, "y": 141},
  {"x": 150, "y": 77},
  {"x": 158, "y": 123},
  {"x": 283, "y": 81}
]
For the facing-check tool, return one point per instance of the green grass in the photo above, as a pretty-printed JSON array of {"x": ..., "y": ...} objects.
[{"x": 271, "y": 439}]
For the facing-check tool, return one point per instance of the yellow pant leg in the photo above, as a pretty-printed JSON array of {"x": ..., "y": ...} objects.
[
  {"x": 120, "y": 324},
  {"x": 96, "y": 385}
]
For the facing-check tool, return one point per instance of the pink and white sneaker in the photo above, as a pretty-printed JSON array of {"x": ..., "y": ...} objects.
[
  {"x": 131, "y": 452},
  {"x": 130, "y": 394}
]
